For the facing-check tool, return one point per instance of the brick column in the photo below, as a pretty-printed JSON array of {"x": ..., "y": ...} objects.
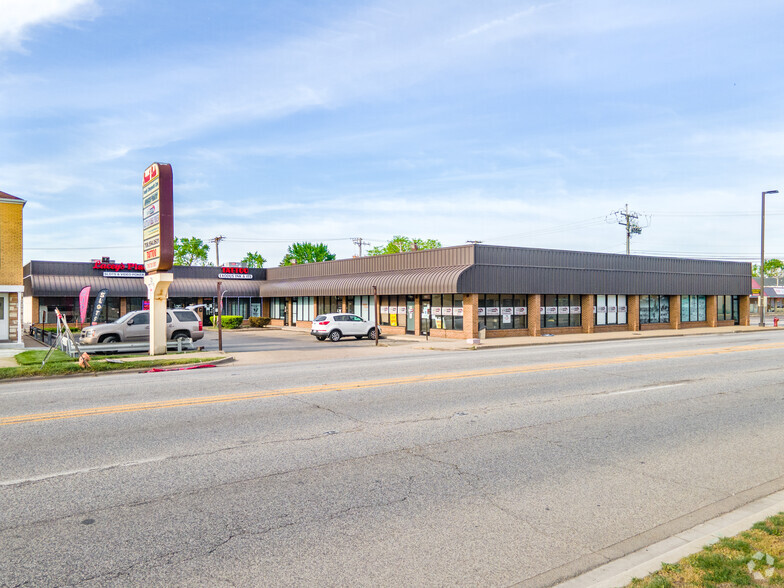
[
  {"x": 470, "y": 317},
  {"x": 587, "y": 316},
  {"x": 123, "y": 306},
  {"x": 288, "y": 312},
  {"x": 534, "y": 316},
  {"x": 417, "y": 318},
  {"x": 711, "y": 310},
  {"x": 633, "y": 312},
  {"x": 744, "y": 310},
  {"x": 675, "y": 312},
  {"x": 265, "y": 306}
]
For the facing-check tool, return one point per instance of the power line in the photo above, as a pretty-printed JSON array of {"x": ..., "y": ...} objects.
[{"x": 631, "y": 221}]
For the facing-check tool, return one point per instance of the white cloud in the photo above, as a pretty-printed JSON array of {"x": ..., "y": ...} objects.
[{"x": 19, "y": 16}]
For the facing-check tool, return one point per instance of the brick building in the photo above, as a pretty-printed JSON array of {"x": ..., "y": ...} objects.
[
  {"x": 11, "y": 270},
  {"x": 454, "y": 292}
]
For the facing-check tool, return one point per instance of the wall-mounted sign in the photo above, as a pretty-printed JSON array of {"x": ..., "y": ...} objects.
[
  {"x": 457, "y": 311},
  {"x": 118, "y": 267},
  {"x": 124, "y": 274},
  {"x": 224, "y": 276},
  {"x": 158, "y": 218},
  {"x": 521, "y": 310},
  {"x": 575, "y": 310}
]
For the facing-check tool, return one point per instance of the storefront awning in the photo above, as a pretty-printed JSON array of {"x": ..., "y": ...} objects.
[
  {"x": 435, "y": 280},
  {"x": 54, "y": 285}
]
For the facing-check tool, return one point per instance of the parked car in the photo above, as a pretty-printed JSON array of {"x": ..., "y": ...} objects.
[
  {"x": 339, "y": 324},
  {"x": 135, "y": 326}
]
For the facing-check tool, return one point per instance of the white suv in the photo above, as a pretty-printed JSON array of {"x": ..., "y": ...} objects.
[
  {"x": 135, "y": 326},
  {"x": 339, "y": 324}
]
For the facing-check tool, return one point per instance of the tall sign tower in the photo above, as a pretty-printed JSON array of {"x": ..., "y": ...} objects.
[{"x": 158, "y": 247}]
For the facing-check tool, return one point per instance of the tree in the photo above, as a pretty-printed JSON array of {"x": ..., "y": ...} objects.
[
  {"x": 773, "y": 267},
  {"x": 400, "y": 244},
  {"x": 191, "y": 251},
  {"x": 254, "y": 259},
  {"x": 307, "y": 253}
]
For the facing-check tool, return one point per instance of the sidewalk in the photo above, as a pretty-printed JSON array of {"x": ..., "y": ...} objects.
[{"x": 501, "y": 342}]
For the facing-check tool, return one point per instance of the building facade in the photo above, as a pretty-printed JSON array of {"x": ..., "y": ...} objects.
[
  {"x": 456, "y": 292},
  {"x": 54, "y": 284},
  {"x": 11, "y": 270}
]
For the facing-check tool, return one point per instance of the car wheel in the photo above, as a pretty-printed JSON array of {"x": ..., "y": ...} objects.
[
  {"x": 372, "y": 334},
  {"x": 335, "y": 336},
  {"x": 110, "y": 339},
  {"x": 180, "y": 337}
]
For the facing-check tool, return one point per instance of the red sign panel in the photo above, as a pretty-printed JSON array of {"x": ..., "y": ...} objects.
[{"x": 158, "y": 218}]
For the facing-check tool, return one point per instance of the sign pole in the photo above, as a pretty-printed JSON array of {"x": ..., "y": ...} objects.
[{"x": 220, "y": 319}]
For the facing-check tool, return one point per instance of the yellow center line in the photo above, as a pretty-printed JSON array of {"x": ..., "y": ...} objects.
[{"x": 260, "y": 394}]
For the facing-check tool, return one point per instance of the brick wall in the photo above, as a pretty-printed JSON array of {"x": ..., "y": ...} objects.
[
  {"x": 534, "y": 315},
  {"x": 11, "y": 244},
  {"x": 470, "y": 316},
  {"x": 744, "y": 303},
  {"x": 675, "y": 312},
  {"x": 587, "y": 316},
  {"x": 711, "y": 310},
  {"x": 633, "y": 312}
]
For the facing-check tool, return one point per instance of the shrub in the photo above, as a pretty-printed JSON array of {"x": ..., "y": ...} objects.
[
  {"x": 259, "y": 321},
  {"x": 231, "y": 322}
]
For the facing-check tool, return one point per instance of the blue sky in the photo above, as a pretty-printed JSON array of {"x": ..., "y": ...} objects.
[{"x": 513, "y": 123}]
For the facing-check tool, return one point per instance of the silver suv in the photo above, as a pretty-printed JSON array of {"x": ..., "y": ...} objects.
[{"x": 135, "y": 326}]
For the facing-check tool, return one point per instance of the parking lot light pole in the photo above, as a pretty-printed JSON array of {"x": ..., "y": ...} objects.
[{"x": 761, "y": 297}]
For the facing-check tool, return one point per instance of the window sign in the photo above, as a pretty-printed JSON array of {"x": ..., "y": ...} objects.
[
  {"x": 385, "y": 310},
  {"x": 507, "y": 318},
  {"x": 541, "y": 310},
  {"x": 507, "y": 310},
  {"x": 493, "y": 311},
  {"x": 437, "y": 310},
  {"x": 401, "y": 310},
  {"x": 447, "y": 311},
  {"x": 574, "y": 310},
  {"x": 457, "y": 311},
  {"x": 480, "y": 311},
  {"x": 553, "y": 310},
  {"x": 521, "y": 310}
]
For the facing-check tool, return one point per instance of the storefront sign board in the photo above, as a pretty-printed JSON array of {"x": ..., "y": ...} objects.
[{"x": 158, "y": 218}]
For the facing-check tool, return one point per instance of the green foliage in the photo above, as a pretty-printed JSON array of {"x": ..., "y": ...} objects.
[
  {"x": 307, "y": 253},
  {"x": 191, "y": 251},
  {"x": 231, "y": 321},
  {"x": 253, "y": 259},
  {"x": 259, "y": 321},
  {"x": 720, "y": 568},
  {"x": 401, "y": 244},
  {"x": 773, "y": 267},
  {"x": 735, "y": 545}
]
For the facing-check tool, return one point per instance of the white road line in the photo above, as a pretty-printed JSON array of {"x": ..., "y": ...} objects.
[
  {"x": 82, "y": 471},
  {"x": 642, "y": 389}
]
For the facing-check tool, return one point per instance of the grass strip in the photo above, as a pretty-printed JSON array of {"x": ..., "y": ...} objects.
[
  {"x": 751, "y": 558},
  {"x": 60, "y": 364}
]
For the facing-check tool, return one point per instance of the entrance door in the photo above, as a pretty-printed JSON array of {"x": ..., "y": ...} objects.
[
  {"x": 736, "y": 310},
  {"x": 294, "y": 312},
  {"x": 4, "y": 316},
  {"x": 410, "y": 318}
]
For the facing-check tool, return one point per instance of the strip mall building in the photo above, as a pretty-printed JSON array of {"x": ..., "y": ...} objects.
[{"x": 455, "y": 292}]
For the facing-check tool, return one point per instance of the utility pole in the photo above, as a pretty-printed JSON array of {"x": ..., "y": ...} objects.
[
  {"x": 359, "y": 241},
  {"x": 630, "y": 220},
  {"x": 217, "y": 241}
]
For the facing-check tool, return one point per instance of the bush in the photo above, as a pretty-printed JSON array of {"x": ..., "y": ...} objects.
[
  {"x": 259, "y": 321},
  {"x": 231, "y": 322}
]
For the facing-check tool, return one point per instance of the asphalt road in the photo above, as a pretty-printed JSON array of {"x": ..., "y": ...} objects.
[{"x": 491, "y": 467}]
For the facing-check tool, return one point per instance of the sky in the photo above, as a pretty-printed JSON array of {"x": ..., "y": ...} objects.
[{"x": 512, "y": 123}]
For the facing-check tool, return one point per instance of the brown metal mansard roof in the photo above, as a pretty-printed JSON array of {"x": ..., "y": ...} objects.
[
  {"x": 436, "y": 280},
  {"x": 59, "y": 285}
]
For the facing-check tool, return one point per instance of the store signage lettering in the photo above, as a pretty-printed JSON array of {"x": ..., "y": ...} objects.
[
  {"x": 521, "y": 310},
  {"x": 457, "y": 311},
  {"x": 554, "y": 310},
  {"x": 384, "y": 310},
  {"x": 447, "y": 310},
  {"x": 493, "y": 311},
  {"x": 235, "y": 270},
  {"x": 480, "y": 311},
  {"x": 118, "y": 267},
  {"x": 507, "y": 310},
  {"x": 575, "y": 310},
  {"x": 158, "y": 218},
  {"x": 124, "y": 274},
  {"x": 235, "y": 276}
]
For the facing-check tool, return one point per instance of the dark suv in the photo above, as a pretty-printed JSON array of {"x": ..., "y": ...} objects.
[{"x": 135, "y": 326}]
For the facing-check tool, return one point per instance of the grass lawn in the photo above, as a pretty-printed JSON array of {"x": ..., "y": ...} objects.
[
  {"x": 60, "y": 364},
  {"x": 751, "y": 558}
]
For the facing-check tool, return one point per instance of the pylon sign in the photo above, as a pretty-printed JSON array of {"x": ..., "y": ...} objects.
[{"x": 158, "y": 218}]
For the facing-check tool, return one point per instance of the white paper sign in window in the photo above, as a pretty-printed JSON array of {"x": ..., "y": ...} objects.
[
  {"x": 553, "y": 309},
  {"x": 480, "y": 311},
  {"x": 521, "y": 310},
  {"x": 575, "y": 310},
  {"x": 447, "y": 310},
  {"x": 507, "y": 310},
  {"x": 457, "y": 311},
  {"x": 384, "y": 310},
  {"x": 493, "y": 311},
  {"x": 437, "y": 310}
]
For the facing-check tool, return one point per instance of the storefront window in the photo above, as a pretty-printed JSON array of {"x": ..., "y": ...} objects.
[
  {"x": 364, "y": 307},
  {"x": 693, "y": 309},
  {"x": 305, "y": 308},
  {"x": 726, "y": 308},
  {"x": 561, "y": 310},
  {"x": 392, "y": 310},
  {"x": 654, "y": 309},
  {"x": 610, "y": 309},
  {"x": 446, "y": 312},
  {"x": 503, "y": 311}
]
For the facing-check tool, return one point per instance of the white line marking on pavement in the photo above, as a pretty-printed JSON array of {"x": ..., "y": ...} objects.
[
  {"x": 82, "y": 471},
  {"x": 642, "y": 389}
]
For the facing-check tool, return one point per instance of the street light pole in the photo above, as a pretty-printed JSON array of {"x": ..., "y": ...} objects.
[{"x": 761, "y": 297}]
